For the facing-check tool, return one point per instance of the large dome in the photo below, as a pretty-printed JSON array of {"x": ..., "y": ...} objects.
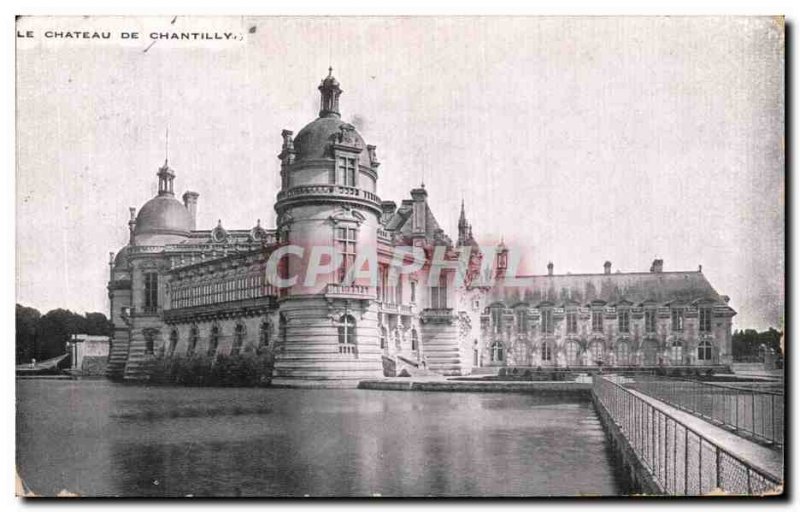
[
  {"x": 163, "y": 215},
  {"x": 315, "y": 140}
]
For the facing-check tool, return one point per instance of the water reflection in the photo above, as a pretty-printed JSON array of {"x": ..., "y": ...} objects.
[{"x": 98, "y": 438}]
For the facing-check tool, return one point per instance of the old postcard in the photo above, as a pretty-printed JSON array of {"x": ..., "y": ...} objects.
[{"x": 399, "y": 256}]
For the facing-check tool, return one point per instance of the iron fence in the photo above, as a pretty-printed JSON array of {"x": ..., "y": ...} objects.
[
  {"x": 753, "y": 413},
  {"x": 681, "y": 460}
]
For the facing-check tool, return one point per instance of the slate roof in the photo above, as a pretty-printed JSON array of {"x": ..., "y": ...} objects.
[{"x": 635, "y": 287}]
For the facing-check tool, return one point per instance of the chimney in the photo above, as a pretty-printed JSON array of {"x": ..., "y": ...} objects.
[
  {"x": 607, "y": 267},
  {"x": 419, "y": 197},
  {"x": 550, "y": 269},
  {"x": 190, "y": 202},
  {"x": 657, "y": 266}
]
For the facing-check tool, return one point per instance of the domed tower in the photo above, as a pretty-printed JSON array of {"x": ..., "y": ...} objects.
[
  {"x": 136, "y": 282},
  {"x": 327, "y": 208}
]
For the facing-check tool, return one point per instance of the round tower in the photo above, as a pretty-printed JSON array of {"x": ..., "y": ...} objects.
[{"x": 328, "y": 214}]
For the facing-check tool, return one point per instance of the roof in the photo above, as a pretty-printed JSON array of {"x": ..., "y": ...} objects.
[
  {"x": 315, "y": 139},
  {"x": 163, "y": 215},
  {"x": 402, "y": 222},
  {"x": 634, "y": 287}
]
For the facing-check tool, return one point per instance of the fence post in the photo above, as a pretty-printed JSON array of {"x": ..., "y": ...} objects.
[
  {"x": 754, "y": 412},
  {"x": 772, "y": 414},
  {"x": 719, "y": 467},
  {"x": 685, "y": 460},
  {"x": 700, "y": 465}
]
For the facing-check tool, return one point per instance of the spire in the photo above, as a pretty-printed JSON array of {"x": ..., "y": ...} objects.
[
  {"x": 165, "y": 174},
  {"x": 464, "y": 227},
  {"x": 329, "y": 92}
]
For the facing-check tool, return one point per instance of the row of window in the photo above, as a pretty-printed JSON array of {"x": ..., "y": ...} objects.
[
  {"x": 346, "y": 333},
  {"x": 623, "y": 320},
  {"x": 383, "y": 335},
  {"x": 239, "y": 336},
  {"x": 239, "y": 288},
  {"x": 573, "y": 353}
]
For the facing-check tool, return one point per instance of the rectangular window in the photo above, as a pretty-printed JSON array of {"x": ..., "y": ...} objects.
[
  {"x": 345, "y": 240},
  {"x": 413, "y": 292},
  {"x": 705, "y": 319},
  {"x": 597, "y": 320},
  {"x": 547, "y": 321},
  {"x": 399, "y": 290},
  {"x": 150, "y": 292},
  {"x": 346, "y": 171},
  {"x": 497, "y": 318},
  {"x": 572, "y": 322},
  {"x": 438, "y": 298},
  {"x": 650, "y": 321},
  {"x": 522, "y": 320},
  {"x": 677, "y": 319},
  {"x": 624, "y": 320}
]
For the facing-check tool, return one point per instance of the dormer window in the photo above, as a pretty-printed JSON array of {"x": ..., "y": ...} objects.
[{"x": 346, "y": 171}]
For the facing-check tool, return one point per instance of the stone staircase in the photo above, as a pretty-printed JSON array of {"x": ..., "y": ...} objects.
[
  {"x": 443, "y": 356},
  {"x": 139, "y": 365},
  {"x": 115, "y": 368}
]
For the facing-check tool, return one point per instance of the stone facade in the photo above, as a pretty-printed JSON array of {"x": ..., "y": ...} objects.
[{"x": 176, "y": 291}]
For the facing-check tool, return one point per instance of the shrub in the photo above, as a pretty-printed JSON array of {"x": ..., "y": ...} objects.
[{"x": 242, "y": 370}]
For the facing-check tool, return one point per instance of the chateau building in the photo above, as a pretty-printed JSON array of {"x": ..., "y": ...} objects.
[{"x": 177, "y": 291}]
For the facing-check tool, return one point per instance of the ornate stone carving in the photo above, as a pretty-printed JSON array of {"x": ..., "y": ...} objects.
[
  {"x": 219, "y": 234},
  {"x": 347, "y": 136}
]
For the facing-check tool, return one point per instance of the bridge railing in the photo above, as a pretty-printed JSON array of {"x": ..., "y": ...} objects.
[
  {"x": 681, "y": 460},
  {"x": 757, "y": 414}
]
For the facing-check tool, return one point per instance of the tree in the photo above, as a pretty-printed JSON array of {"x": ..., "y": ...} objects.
[
  {"x": 747, "y": 343},
  {"x": 43, "y": 337},
  {"x": 26, "y": 323}
]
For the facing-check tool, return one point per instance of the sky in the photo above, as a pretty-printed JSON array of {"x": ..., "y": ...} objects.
[{"x": 577, "y": 140}]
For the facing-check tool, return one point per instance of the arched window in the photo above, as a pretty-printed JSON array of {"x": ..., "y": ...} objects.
[
  {"x": 623, "y": 353},
  {"x": 382, "y": 336},
  {"x": 397, "y": 337},
  {"x": 497, "y": 352},
  {"x": 414, "y": 340},
  {"x": 547, "y": 351},
  {"x": 572, "y": 351},
  {"x": 704, "y": 351},
  {"x": 173, "y": 342},
  {"x": 596, "y": 352},
  {"x": 264, "y": 334},
  {"x": 213, "y": 341},
  {"x": 193, "y": 336},
  {"x": 347, "y": 330},
  {"x": 676, "y": 352},
  {"x": 238, "y": 339}
]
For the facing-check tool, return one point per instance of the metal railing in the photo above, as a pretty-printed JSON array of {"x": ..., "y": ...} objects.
[
  {"x": 749, "y": 412},
  {"x": 681, "y": 460}
]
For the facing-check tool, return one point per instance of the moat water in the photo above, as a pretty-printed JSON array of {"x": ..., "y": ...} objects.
[{"x": 97, "y": 438}]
